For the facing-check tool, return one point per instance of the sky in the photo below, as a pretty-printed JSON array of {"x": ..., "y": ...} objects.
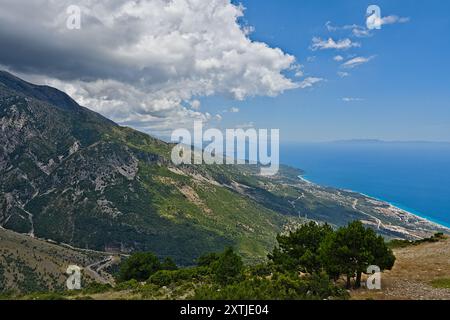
[
  {"x": 309, "y": 68},
  {"x": 403, "y": 93}
]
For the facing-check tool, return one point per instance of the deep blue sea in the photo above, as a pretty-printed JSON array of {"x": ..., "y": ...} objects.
[{"x": 411, "y": 176}]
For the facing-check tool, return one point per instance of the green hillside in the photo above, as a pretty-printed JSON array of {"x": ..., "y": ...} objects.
[{"x": 72, "y": 176}]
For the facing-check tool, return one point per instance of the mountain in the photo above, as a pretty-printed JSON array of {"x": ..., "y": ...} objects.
[
  {"x": 70, "y": 175},
  {"x": 377, "y": 141},
  {"x": 32, "y": 265}
]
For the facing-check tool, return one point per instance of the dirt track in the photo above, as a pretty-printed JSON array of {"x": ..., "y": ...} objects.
[{"x": 410, "y": 279}]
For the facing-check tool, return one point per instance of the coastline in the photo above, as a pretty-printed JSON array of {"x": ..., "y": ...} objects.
[
  {"x": 409, "y": 211},
  {"x": 306, "y": 180},
  {"x": 415, "y": 213}
]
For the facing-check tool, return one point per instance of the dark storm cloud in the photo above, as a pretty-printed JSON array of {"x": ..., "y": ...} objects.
[{"x": 141, "y": 61}]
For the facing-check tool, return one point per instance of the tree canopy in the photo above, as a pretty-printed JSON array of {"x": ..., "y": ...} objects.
[
  {"x": 299, "y": 250},
  {"x": 351, "y": 250},
  {"x": 228, "y": 267},
  {"x": 141, "y": 265},
  {"x": 348, "y": 251}
]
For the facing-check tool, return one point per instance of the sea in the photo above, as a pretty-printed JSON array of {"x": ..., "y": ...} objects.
[{"x": 414, "y": 176}]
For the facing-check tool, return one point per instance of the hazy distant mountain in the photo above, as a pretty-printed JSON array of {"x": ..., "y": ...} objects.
[
  {"x": 73, "y": 176},
  {"x": 377, "y": 141}
]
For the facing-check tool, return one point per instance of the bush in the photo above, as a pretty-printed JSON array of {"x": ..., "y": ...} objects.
[
  {"x": 45, "y": 296},
  {"x": 162, "y": 278},
  {"x": 280, "y": 287},
  {"x": 140, "y": 266},
  {"x": 227, "y": 268},
  {"x": 261, "y": 270},
  {"x": 167, "y": 277},
  {"x": 396, "y": 243},
  {"x": 207, "y": 259},
  {"x": 96, "y": 287},
  {"x": 169, "y": 264},
  {"x": 299, "y": 250},
  {"x": 128, "y": 285}
]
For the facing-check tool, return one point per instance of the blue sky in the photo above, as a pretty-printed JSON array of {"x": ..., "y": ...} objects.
[
  {"x": 158, "y": 65},
  {"x": 402, "y": 93}
]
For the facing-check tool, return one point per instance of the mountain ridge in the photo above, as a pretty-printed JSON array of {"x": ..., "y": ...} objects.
[{"x": 71, "y": 175}]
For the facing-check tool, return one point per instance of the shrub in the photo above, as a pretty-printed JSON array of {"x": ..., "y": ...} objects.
[
  {"x": 298, "y": 251},
  {"x": 281, "y": 287},
  {"x": 45, "y": 296},
  {"x": 261, "y": 270},
  {"x": 128, "y": 285},
  {"x": 140, "y": 266},
  {"x": 167, "y": 277},
  {"x": 169, "y": 264},
  {"x": 162, "y": 278},
  {"x": 396, "y": 243},
  {"x": 96, "y": 287},
  {"x": 207, "y": 259},
  {"x": 227, "y": 268}
]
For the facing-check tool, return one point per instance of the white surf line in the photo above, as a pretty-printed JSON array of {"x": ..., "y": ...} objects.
[
  {"x": 305, "y": 180},
  {"x": 380, "y": 223},
  {"x": 417, "y": 216}
]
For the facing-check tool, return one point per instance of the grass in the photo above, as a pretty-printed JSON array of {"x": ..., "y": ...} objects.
[
  {"x": 443, "y": 283},
  {"x": 397, "y": 244},
  {"x": 29, "y": 265}
]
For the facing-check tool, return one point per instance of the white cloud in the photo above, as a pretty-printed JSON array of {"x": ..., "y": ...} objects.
[
  {"x": 344, "y": 44},
  {"x": 309, "y": 82},
  {"x": 141, "y": 62},
  {"x": 355, "y": 62},
  {"x": 298, "y": 70},
  {"x": 392, "y": 19},
  {"x": 246, "y": 125},
  {"x": 234, "y": 110},
  {"x": 343, "y": 74},
  {"x": 330, "y": 27},
  {"x": 357, "y": 30},
  {"x": 338, "y": 58},
  {"x": 195, "y": 104},
  {"x": 361, "y": 32},
  {"x": 348, "y": 99},
  {"x": 395, "y": 19}
]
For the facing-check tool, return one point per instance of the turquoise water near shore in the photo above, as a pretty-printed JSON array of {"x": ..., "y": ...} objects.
[{"x": 412, "y": 176}]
